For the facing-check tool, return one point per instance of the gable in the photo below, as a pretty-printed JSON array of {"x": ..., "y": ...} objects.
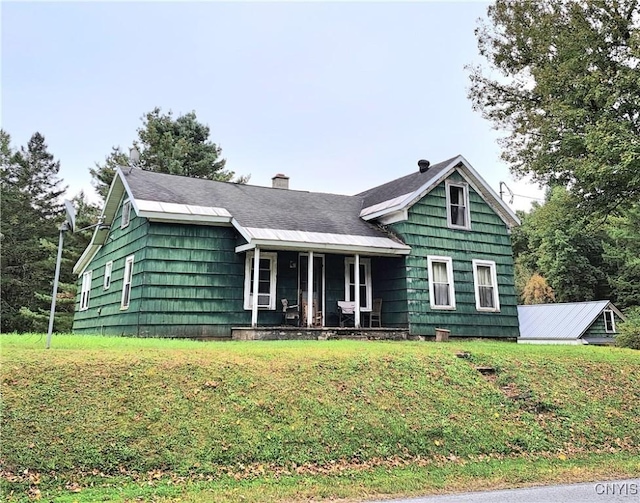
[{"x": 417, "y": 187}]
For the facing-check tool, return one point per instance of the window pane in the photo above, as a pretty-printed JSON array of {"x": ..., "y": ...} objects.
[
  {"x": 439, "y": 272},
  {"x": 441, "y": 293},
  {"x": 486, "y": 296},
  {"x": 484, "y": 275}
]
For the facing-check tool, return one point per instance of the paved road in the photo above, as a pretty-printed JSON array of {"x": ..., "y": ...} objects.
[{"x": 614, "y": 491}]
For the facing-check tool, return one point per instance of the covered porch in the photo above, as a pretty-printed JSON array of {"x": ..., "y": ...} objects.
[{"x": 324, "y": 290}]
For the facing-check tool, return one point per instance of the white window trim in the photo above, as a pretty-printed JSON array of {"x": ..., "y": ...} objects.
[
  {"x": 108, "y": 268},
  {"x": 467, "y": 215},
  {"x": 248, "y": 265},
  {"x": 127, "y": 279},
  {"x": 85, "y": 291},
  {"x": 366, "y": 262},
  {"x": 613, "y": 321},
  {"x": 452, "y": 291},
  {"x": 126, "y": 210},
  {"x": 494, "y": 280}
]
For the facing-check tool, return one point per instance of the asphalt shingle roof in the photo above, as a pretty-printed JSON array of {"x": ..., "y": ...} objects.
[
  {"x": 260, "y": 207},
  {"x": 401, "y": 186}
]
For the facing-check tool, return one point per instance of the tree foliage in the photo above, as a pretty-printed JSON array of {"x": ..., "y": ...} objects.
[
  {"x": 31, "y": 213},
  {"x": 537, "y": 291},
  {"x": 564, "y": 248},
  {"x": 564, "y": 84},
  {"x": 179, "y": 146}
]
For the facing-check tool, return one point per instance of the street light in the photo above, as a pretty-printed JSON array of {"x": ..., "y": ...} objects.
[{"x": 68, "y": 225}]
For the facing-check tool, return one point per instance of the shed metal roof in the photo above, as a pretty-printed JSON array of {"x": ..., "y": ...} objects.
[{"x": 567, "y": 321}]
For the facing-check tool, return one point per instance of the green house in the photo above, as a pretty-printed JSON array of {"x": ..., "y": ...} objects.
[{"x": 176, "y": 257}]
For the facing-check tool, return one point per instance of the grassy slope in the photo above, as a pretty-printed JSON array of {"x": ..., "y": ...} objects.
[{"x": 187, "y": 410}]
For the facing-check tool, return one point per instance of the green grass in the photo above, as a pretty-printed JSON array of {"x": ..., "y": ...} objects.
[{"x": 337, "y": 418}]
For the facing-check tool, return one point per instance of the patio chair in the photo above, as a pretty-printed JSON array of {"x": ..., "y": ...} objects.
[
  {"x": 375, "y": 316},
  {"x": 316, "y": 316},
  {"x": 347, "y": 312},
  {"x": 290, "y": 313}
]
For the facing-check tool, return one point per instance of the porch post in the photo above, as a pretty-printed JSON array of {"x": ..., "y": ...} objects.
[
  {"x": 256, "y": 277},
  {"x": 356, "y": 280},
  {"x": 310, "y": 290}
]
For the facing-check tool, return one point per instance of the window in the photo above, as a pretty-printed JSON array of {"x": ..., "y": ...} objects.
[
  {"x": 441, "y": 290},
  {"x": 126, "y": 213},
  {"x": 486, "y": 285},
  {"x": 85, "y": 291},
  {"x": 126, "y": 283},
  {"x": 609, "y": 322},
  {"x": 365, "y": 282},
  {"x": 458, "y": 205},
  {"x": 266, "y": 281},
  {"x": 107, "y": 274}
]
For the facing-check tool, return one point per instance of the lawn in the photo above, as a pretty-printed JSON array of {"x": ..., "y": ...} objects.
[{"x": 106, "y": 418}]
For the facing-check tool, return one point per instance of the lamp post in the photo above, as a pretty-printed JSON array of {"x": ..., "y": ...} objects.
[{"x": 68, "y": 225}]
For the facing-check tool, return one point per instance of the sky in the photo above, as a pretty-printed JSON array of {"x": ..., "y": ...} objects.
[{"x": 339, "y": 96}]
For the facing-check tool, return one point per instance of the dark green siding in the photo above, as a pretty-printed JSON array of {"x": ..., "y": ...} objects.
[
  {"x": 597, "y": 328},
  {"x": 193, "y": 282},
  {"x": 427, "y": 233},
  {"x": 390, "y": 285},
  {"x": 104, "y": 314}
]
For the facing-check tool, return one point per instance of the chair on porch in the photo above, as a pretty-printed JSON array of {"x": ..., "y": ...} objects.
[
  {"x": 375, "y": 316},
  {"x": 316, "y": 316},
  {"x": 347, "y": 312},
  {"x": 290, "y": 313}
]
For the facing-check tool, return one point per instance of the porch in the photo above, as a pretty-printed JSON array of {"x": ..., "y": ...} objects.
[
  {"x": 303, "y": 294},
  {"x": 286, "y": 333}
]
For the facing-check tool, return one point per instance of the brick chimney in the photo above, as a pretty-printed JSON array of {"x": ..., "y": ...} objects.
[{"x": 280, "y": 181}]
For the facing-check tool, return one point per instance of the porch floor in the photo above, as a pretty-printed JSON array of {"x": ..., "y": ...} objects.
[{"x": 288, "y": 333}]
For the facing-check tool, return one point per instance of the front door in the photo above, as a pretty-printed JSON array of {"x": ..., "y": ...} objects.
[{"x": 317, "y": 290}]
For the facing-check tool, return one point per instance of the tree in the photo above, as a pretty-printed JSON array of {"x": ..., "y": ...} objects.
[
  {"x": 538, "y": 291},
  {"x": 622, "y": 255},
  {"x": 562, "y": 247},
  {"x": 31, "y": 213},
  {"x": 103, "y": 174},
  {"x": 179, "y": 146},
  {"x": 566, "y": 89}
]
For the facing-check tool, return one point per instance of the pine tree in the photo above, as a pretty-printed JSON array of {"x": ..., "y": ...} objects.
[
  {"x": 31, "y": 213},
  {"x": 179, "y": 146}
]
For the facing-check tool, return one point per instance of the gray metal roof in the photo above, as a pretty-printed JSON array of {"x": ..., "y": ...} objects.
[{"x": 567, "y": 321}]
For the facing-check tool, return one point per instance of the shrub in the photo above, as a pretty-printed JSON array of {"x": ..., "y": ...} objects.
[{"x": 629, "y": 336}]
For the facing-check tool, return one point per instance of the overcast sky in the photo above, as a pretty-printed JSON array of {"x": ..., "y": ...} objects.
[{"x": 340, "y": 97}]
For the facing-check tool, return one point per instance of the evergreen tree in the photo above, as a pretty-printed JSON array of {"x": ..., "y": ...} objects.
[
  {"x": 179, "y": 146},
  {"x": 29, "y": 228}
]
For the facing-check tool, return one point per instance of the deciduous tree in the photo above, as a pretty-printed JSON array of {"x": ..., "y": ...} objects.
[{"x": 563, "y": 81}]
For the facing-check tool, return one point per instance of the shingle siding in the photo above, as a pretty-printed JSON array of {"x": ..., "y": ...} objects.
[
  {"x": 426, "y": 231},
  {"x": 104, "y": 314}
]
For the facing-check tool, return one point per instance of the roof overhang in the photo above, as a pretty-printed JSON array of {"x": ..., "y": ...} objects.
[
  {"x": 465, "y": 169},
  {"x": 281, "y": 239},
  {"x": 169, "y": 212}
]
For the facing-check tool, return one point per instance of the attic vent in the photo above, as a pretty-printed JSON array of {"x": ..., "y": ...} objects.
[
  {"x": 280, "y": 181},
  {"x": 423, "y": 165}
]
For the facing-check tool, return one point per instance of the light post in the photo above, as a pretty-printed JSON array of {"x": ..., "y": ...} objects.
[{"x": 68, "y": 225}]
